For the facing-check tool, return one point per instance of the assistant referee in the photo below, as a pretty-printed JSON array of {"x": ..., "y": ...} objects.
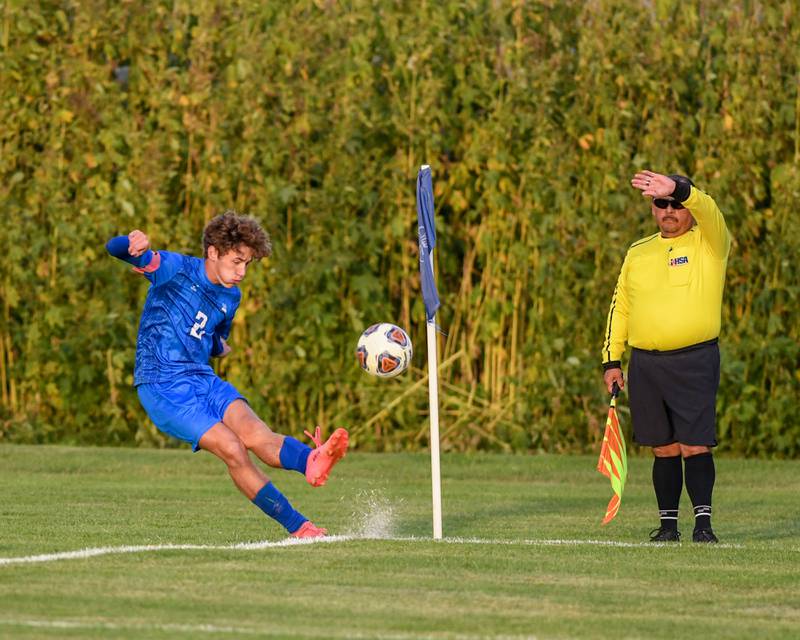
[{"x": 667, "y": 307}]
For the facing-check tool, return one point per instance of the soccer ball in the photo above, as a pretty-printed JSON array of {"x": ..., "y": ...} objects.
[{"x": 384, "y": 350}]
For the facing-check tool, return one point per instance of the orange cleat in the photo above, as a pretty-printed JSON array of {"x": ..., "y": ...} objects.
[
  {"x": 321, "y": 460},
  {"x": 309, "y": 530}
]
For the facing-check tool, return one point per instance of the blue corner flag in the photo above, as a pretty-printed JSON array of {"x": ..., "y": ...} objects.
[{"x": 427, "y": 240}]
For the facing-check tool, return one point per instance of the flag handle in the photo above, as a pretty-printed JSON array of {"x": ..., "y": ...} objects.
[{"x": 614, "y": 390}]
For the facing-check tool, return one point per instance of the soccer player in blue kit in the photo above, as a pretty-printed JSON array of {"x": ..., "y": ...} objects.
[{"x": 186, "y": 320}]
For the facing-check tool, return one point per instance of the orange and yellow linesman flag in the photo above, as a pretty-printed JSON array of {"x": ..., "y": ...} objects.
[{"x": 613, "y": 462}]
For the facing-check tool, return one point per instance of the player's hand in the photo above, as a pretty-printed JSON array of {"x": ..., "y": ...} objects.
[
  {"x": 653, "y": 184},
  {"x": 226, "y": 348},
  {"x": 611, "y": 376},
  {"x": 138, "y": 243}
]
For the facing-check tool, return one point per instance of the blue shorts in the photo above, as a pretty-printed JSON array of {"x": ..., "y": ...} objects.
[{"x": 189, "y": 406}]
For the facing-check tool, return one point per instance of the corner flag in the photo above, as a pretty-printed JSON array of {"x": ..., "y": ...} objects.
[{"x": 427, "y": 241}]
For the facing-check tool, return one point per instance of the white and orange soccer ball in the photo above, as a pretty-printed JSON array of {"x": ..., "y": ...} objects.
[{"x": 384, "y": 350}]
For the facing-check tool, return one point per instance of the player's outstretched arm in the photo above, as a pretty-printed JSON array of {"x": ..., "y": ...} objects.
[{"x": 135, "y": 250}]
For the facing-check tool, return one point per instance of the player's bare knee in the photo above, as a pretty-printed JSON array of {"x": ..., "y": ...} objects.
[
  {"x": 233, "y": 452},
  {"x": 257, "y": 434}
]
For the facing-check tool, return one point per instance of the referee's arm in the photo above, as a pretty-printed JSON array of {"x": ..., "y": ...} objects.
[
  {"x": 709, "y": 218},
  {"x": 616, "y": 332}
]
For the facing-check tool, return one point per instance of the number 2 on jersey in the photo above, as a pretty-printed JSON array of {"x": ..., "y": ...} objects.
[{"x": 197, "y": 329}]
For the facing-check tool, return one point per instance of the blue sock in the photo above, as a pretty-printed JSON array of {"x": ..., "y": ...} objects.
[
  {"x": 276, "y": 506},
  {"x": 294, "y": 455}
]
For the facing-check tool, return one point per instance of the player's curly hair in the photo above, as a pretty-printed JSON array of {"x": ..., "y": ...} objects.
[{"x": 231, "y": 229}]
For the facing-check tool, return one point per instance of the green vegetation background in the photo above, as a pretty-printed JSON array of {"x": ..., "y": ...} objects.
[{"x": 315, "y": 116}]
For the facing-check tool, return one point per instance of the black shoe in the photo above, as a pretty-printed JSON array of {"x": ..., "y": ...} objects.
[
  {"x": 704, "y": 535},
  {"x": 665, "y": 535}
]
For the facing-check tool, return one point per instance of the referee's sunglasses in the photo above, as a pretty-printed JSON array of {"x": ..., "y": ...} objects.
[{"x": 663, "y": 203}]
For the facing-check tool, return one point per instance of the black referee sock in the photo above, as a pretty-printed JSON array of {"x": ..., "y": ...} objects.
[
  {"x": 668, "y": 483},
  {"x": 700, "y": 476}
]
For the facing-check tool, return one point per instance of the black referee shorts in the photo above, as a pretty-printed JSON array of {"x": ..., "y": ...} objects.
[{"x": 673, "y": 395}]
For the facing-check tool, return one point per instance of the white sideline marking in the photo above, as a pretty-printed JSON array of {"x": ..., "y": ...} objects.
[
  {"x": 291, "y": 542},
  {"x": 104, "y": 551},
  {"x": 75, "y": 624},
  {"x": 210, "y": 628}
]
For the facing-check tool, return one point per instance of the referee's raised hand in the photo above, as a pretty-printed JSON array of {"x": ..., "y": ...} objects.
[{"x": 654, "y": 185}]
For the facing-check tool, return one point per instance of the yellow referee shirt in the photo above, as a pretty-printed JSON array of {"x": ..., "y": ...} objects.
[{"x": 669, "y": 291}]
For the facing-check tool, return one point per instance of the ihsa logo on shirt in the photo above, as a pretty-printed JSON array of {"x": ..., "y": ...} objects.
[{"x": 676, "y": 262}]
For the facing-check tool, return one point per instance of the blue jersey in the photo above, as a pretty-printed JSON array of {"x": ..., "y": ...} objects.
[{"x": 185, "y": 315}]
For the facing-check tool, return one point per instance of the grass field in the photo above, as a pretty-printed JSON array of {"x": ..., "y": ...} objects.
[{"x": 524, "y": 557}]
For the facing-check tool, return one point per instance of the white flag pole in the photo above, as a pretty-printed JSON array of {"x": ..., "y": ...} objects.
[{"x": 433, "y": 401}]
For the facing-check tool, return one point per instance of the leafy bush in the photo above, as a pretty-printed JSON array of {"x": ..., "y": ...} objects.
[{"x": 315, "y": 116}]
